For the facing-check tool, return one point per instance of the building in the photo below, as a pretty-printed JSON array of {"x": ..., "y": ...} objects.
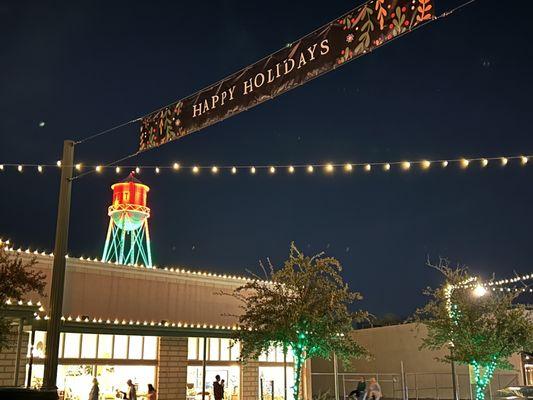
[{"x": 165, "y": 326}]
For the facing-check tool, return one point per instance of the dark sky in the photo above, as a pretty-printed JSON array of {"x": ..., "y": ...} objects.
[{"x": 459, "y": 87}]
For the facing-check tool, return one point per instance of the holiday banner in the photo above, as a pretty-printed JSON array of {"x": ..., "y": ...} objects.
[{"x": 355, "y": 33}]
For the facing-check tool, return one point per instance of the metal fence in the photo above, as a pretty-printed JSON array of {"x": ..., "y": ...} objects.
[{"x": 413, "y": 385}]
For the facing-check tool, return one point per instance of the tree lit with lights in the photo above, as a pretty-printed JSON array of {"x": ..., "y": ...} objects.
[
  {"x": 303, "y": 309},
  {"x": 483, "y": 322}
]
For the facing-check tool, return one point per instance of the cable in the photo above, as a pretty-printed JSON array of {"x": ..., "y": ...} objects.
[{"x": 107, "y": 131}]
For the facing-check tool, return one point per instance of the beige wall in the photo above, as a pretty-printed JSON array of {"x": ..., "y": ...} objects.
[
  {"x": 392, "y": 345},
  {"x": 8, "y": 356},
  {"x": 109, "y": 291}
]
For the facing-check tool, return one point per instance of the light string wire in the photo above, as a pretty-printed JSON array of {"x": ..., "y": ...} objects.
[
  {"x": 140, "y": 118},
  {"x": 405, "y": 165}
]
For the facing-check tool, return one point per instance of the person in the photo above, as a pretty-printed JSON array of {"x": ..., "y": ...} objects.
[
  {"x": 95, "y": 390},
  {"x": 152, "y": 394},
  {"x": 218, "y": 389},
  {"x": 223, "y": 384},
  {"x": 374, "y": 390},
  {"x": 359, "y": 392},
  {"x": 132, "y": 393}
]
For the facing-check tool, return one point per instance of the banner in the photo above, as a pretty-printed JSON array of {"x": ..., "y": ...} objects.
[{"x": 355, "y": 33}]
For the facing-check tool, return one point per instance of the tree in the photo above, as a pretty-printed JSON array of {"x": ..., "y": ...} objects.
[
  {"x": 17, "y": 277},
  {"x": 303, "y": 308},
  {"x": 484, "y": 325}
]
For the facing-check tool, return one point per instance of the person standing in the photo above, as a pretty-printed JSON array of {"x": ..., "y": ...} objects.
[
  {"x": 374, "y": 390},
  {"x": 132, "y": 393},
  {"x": 218, "y": 389},
  {"x": 95, "y": 390},
  {"x": 152, "y": 393}
]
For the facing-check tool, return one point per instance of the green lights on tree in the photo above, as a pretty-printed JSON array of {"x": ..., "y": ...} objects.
[
  {"x": 303, "y": 309},
  {"x": 485, "y": 327}
]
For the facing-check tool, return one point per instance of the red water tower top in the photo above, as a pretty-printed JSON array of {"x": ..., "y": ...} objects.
[{"x": 130, "y": 191}]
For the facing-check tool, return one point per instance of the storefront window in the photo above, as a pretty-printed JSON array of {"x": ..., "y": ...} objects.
[
  {"x": 192, "y": 349},
  {"x": 214, "y": 345},
  {"x": 72, "y": 345},
  {"x": 150, "y": 348},
  {"x": 120, "y": 348},
  {"x": 230, "y": 374},
  {"x": 105, "y": 346},
  {"x": 272, "y": 378},
  {"x": 88, "y": 345},
  {"x": 217, "y": 349},
  {"x": 136, "y": 347}
]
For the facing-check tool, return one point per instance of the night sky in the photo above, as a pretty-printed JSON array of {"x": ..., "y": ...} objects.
[{"x": 458, "y": 87}]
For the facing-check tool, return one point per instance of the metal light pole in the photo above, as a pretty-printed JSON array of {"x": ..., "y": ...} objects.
[
  {"x": 454, "y": 379},
  {"x": 58, "y": 271}
]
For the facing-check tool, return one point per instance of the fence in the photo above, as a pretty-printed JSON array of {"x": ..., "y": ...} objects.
[{"x": 413, "y": 385}]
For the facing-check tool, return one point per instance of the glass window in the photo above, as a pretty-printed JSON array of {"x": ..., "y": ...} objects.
[
  {"x": 88, "y": 345},
  {"x": 72, "y": 345},
  {"x": 200, "y": 348},
  {"x": 150, "y": 348},
  {"x": 136, "y": 347},
  {"x": 105, "y": 346},
  {"x": 120, "y": 349},
  {"x": 61, "y": 341},
  {"x": 224, "y": 349},
  {"x": 235, "y": 350},
  {"x": 271, "y": 354},
  {"x": 192, "y": 348},
  {"x": 39, "y": 345},
  {"x": 214, "y": 353}
]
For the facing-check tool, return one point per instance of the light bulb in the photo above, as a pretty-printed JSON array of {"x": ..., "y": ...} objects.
[
  {"x": 484, "y": 162},
  {"x": 386, "y": 167},
  {"x": 444, "y": 164},
  {"x": 425, "y": 164},
  {"x": 19, "y": 168},
  {"x": 137, "y": 170},
  {"x": 195, "y": 169},
  {"x": 291, "y": 169},
  {"x": 272, "y": 170},
  {"x": 524, "y": 160},
  {"x": 348, "y": 167},
  {"x": 78, "y": 167},
  {"x": 329, "y": 167},
  {"x": 58, "y": 163},
  {"x": 157, "y": 170},
  {"x": 464, "y": 163},
  {"x": 368, "y": 167},
  {"x": 310, "y": 169},
  {"x": 505, "y": 160},
  {"x": 214, "y": 169},
  {"x": 98, "y": 168},
  {"x": 406, "y": 165},
  {"x": 233, "y": 170},
  {"x": 176, "y": 166},
  {"x": 252, "y": 170},
  {"x": 479, "y": 291},
  {"x": 40, "y": 168},
  {"x": 117, "y": 170}
]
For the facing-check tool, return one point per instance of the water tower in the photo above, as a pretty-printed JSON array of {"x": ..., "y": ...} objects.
[{"x": 128, "y": 238}]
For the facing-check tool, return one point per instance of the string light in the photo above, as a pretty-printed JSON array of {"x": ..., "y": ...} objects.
[
  {"x": 424, "y": 164},
  {"x": 19, "y": 168},
  {"x": 117, "y": 170},
  {"x": 58, "y": 163}
]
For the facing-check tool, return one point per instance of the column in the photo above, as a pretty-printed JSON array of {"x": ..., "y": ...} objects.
[
  {"x": 172, "y": 368},
  {"x": 250, "y": 381}
]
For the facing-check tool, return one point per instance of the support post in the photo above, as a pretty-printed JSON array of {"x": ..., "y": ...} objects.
[
  {"x": 17, "y": 356},
  {"x": 58, "y": 270},
  {"x": 284, "y": 373},
  {"x": 454, "y": 377},
  {"x": 30, "y": 367},
  {"x": 336, "y": 376},
  {"x": 204, "y": 368}
]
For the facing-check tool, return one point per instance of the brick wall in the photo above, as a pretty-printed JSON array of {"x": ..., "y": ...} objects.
[
  {"x": 7, "y": 359},
  {"x": 172, "y": 368},
  {"x": 249, "y": 381}
]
